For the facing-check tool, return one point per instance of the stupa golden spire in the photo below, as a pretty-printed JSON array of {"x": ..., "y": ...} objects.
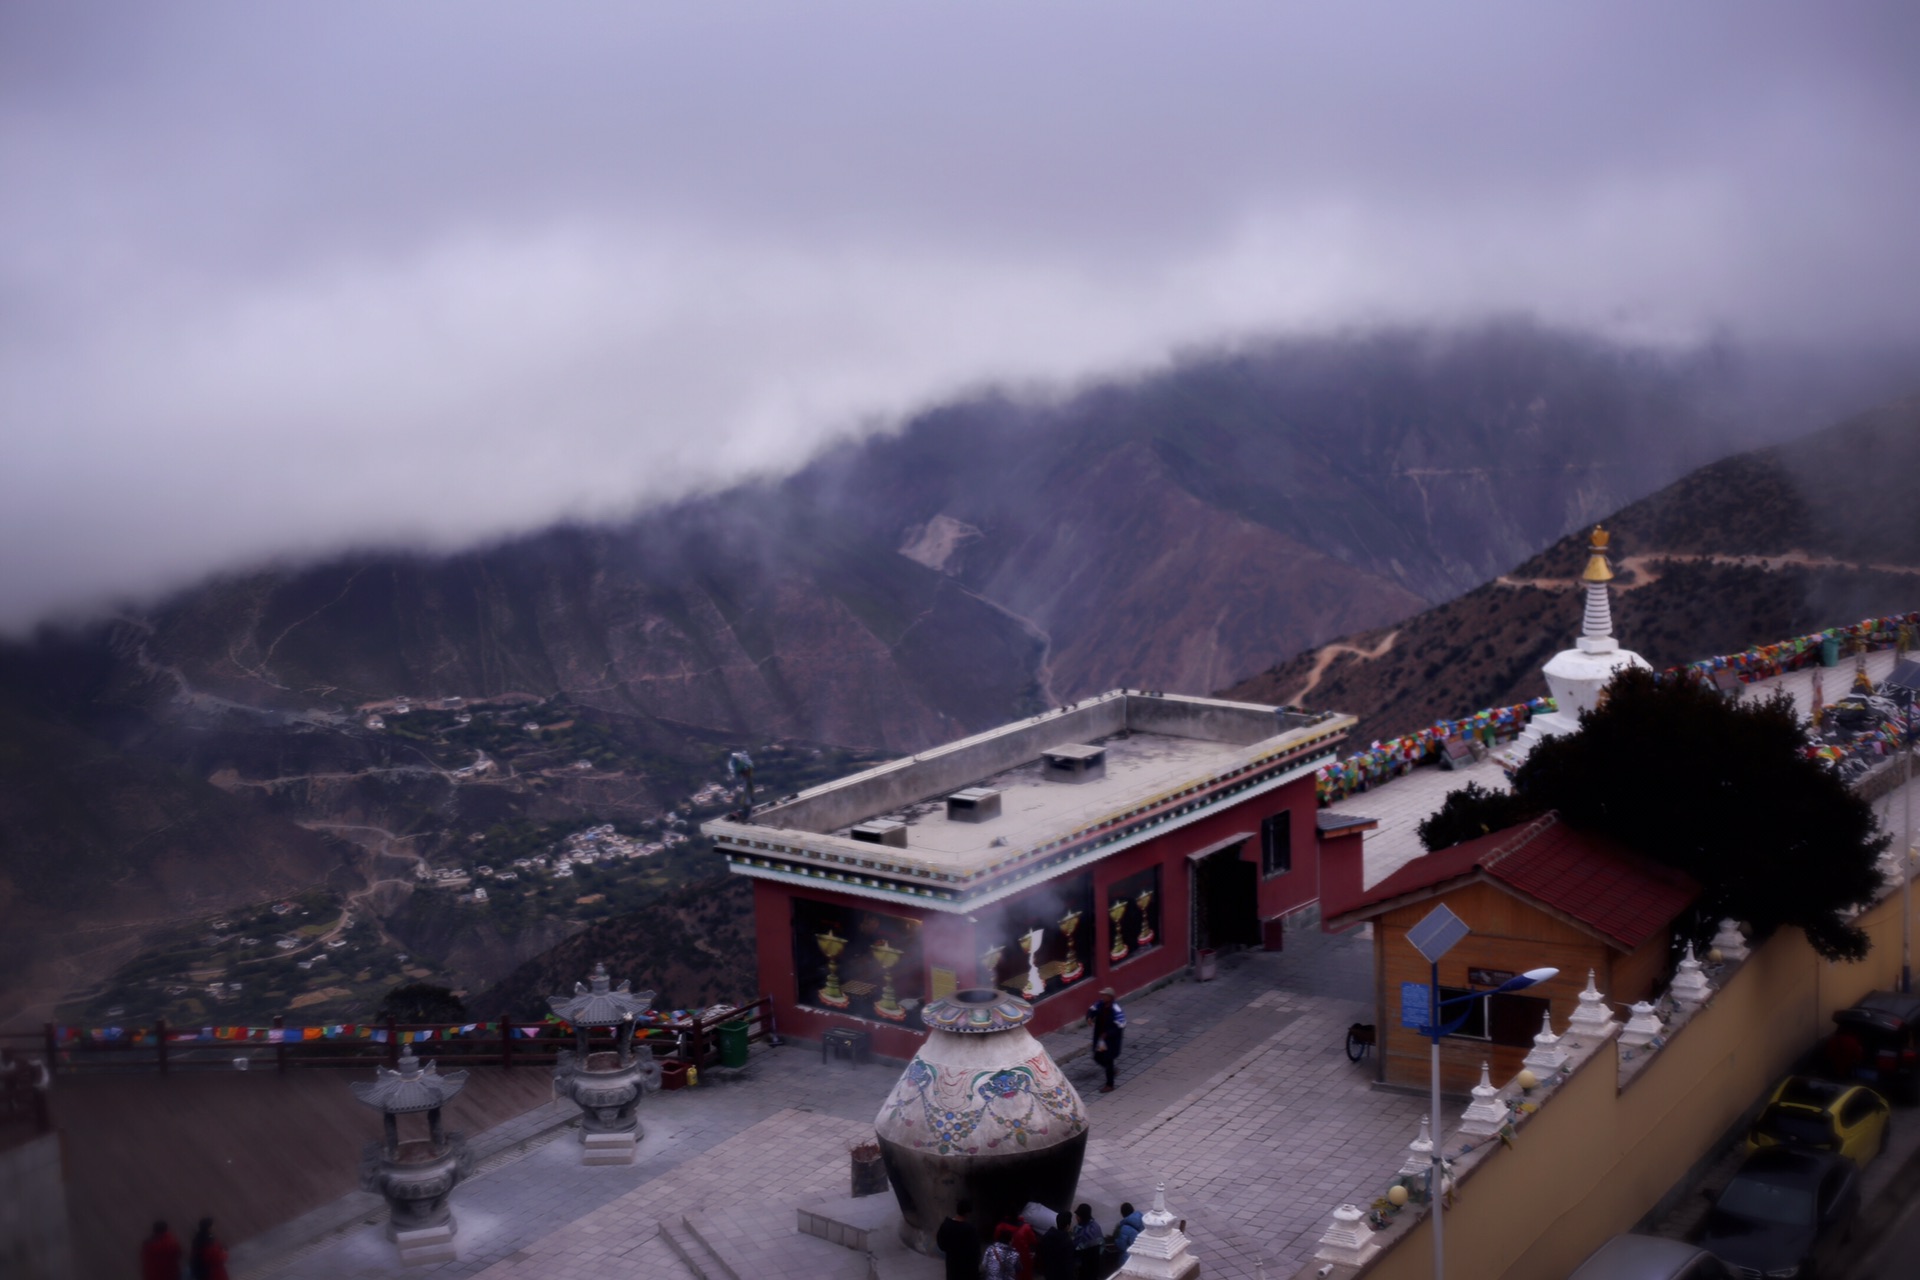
[{"x": 1597, "y": 567}]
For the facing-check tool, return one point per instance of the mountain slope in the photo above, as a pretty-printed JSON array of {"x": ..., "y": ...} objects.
[
  {"x": 1751, "y": 549},
  {"x": 1178, "y": 531}
]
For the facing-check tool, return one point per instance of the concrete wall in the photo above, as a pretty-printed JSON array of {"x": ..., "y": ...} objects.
[
  {"x": 1239, "y": 723},
  {"x": 33, "y": 1212},
  {"x": 1600, "y": 1154}
]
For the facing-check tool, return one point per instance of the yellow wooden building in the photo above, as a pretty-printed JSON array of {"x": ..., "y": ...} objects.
[{"x": 1534, "y": 896}]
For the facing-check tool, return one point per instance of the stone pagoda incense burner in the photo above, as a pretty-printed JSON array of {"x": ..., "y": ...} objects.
[
  {"x": 415, "y": 1176},
  {"x": 605, "y": 1085},
  {"x": 982, "y": 1113}
]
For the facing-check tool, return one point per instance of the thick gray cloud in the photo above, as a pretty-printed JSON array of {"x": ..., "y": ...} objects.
[{"x": 278, "y": 280}]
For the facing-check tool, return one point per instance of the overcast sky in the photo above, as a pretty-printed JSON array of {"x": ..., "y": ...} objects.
[{"x": 280, "y": 278}]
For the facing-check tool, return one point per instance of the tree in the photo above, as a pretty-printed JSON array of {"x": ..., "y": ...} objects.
[
  {"x": 1720, "y": 790},
  {"x": 1472, "y": 812},
  {"x": 422, "y": 1002}
]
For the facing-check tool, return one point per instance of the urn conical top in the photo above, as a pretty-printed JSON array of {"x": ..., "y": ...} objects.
[
  {"x": 414, "y": 1087},
  {"x": 602, "y": 1004}
]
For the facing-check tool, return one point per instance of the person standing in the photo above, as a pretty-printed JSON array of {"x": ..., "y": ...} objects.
[
  {"x": 207, "y": 1259},
  {"x": 1109, "y": 1022},
  {"x": 1025, "y": 1241},
  {"x": 1057, "y": 1257},
  {"x": 960, "y": 1243},
  {"x": 1087, "y": 1239},
  {"x": 160, "y": 1255},
  {"x": 1132, "y": 1223},
  {"x": 1001, "y": 1261}
]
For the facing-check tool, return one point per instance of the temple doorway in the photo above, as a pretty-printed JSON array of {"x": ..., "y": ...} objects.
[{"x": 1226, "y": 900}]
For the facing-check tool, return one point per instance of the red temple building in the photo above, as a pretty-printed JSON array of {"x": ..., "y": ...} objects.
[{"x": 1108, "y": 843}]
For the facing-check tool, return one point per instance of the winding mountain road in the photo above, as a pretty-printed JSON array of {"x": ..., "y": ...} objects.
[{"x": 1328, "y": 652}]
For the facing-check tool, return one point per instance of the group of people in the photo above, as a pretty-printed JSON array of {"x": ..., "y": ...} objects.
[
  {"x": 1073, "y": 1248},
  {"x": 161, "y": 1255}
]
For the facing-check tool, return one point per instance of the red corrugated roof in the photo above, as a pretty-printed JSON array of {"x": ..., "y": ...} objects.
[{"x": 1617, "y": 893}]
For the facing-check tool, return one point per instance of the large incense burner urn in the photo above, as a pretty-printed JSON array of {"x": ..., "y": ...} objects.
[
  {"x": 416, "y": 1176},
  {"x": 606, "y": 1085},
  {"x": 982, "y": 1113}
]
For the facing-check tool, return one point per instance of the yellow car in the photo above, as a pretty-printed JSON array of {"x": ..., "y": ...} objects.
[{"x": 1820, "y": 1115}]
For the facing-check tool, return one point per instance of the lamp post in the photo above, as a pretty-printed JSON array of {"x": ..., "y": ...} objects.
[
  {"x": 1433, "y": 937},
  {"x": 1906, "y": 858}
]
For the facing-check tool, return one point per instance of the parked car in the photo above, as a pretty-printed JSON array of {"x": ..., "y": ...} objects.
[
  {"x": 1878, "y": 1041},
  {"x": 1823, "y": 1115},
  {"x": 1784, "y": 1212},
  {"x": 1650, "y": 1258}
]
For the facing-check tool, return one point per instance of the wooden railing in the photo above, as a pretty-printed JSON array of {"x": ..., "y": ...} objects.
[
  {"x": 504, "y": 1044},
  {"x": 703, "y": 1041}
]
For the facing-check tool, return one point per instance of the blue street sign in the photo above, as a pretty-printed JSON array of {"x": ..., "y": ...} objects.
[{"x": 1416, "y": 1011}]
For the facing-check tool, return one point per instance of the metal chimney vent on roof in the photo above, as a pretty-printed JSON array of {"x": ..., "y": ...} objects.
[
  {"x": 975, "y": 804},
  {"x": 1075, "y": 762},
  {"x": 882, "y": 831}
]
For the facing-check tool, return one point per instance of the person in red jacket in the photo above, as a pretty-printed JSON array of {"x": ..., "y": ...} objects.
[
  {"x": 208, "y": 1258},
  {"x": 160, "y": 1255},
  {"x": 1025, "y": 1241}
]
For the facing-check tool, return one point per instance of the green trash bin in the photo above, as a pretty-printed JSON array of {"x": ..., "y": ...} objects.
[
  {"x": 1830, "y": 651},
  {"x": 733, "y": 1044}
]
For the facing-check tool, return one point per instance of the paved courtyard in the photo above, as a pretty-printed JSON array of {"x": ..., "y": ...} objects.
[{"x": 1237, "y": 1093}]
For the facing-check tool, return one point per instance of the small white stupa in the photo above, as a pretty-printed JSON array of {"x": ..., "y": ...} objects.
[{"x": 1578, "y": 676}]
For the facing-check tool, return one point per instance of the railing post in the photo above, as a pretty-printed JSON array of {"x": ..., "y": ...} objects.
[
  {"x": 160, "y": 1043},
  {"x": 53, "y": 1048},
  {"x": 280, "y": 1049},
  {"x": 506, "y": 1042},
  {"x": 393, "y": 1043}
]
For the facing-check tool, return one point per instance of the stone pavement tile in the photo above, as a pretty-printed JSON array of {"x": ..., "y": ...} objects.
[{"x": 764, "y": 1171}]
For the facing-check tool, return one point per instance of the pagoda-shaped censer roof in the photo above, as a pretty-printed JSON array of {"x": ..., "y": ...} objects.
[
  {"x": 600, "y": 1005},
  {"x": 414, "y": 1087},
  {"x": 977, "y": 1011}
]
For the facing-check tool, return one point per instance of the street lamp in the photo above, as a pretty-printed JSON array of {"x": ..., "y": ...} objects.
[
  {"x": 1433, "y": 937},
  {"x": 1906, "y": 862}
]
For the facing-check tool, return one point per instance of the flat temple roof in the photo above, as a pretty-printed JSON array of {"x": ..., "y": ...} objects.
[
  {"x": 1033, "y": 808},
  {"x": 1168, "y": 757}
]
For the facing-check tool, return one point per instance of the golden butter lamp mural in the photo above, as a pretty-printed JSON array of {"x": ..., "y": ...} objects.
[
  {"x": 831, "y": 945},
  {"x": 1030, "y": 943},
  {"x": 888, "y": 1005},
  {"x": 1070, "y": 967},
  {"x": 990, "y": 965},
  {"x": 1117, "y": 913},
  {"x": 1147, "y": 934}
]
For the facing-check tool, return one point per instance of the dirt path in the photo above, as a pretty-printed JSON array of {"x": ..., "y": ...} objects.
[
  {"x": 1646, "y": 575},
  {"x": 1328, "y": 652}
]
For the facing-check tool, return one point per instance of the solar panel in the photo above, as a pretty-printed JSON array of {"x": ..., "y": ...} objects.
[
  {"x": 1906, "y": 674},
  {"x": 1438, "y": 934}
]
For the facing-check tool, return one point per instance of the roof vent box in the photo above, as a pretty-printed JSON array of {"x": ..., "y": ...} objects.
[
  {"x": 1075, "y": 762},
  {"x": 975, "y": 804},
  {"x": 882, "y": 831}
]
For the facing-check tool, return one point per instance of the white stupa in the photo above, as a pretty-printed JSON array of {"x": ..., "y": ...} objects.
[{"x": 1576, "y": 677}]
